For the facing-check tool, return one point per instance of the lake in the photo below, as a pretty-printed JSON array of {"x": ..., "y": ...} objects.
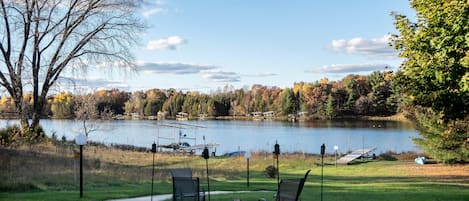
[{"x": 233, "y": 135}]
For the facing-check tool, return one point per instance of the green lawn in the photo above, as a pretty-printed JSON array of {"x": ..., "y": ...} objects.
[{"x": 120, "y": 174}]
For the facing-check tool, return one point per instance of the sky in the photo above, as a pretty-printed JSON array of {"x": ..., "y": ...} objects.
[{"x": 205, "y": 45}]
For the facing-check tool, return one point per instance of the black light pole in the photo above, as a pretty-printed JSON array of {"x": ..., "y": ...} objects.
[
  {"x": 81, "y": 140},
  {"x": 248, "y": 172},
  {"x": 81, "y": 171},
  {"x": 206, "y": 155},
  {"x": 277, "y": 153},
  {"x": 323, "y": 150},
  {"x": 248, "y": 156},
  {"x": 153, "y": 150}
]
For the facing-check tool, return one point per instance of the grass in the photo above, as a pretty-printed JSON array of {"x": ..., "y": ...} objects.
[{"x": 46, "y": 172}]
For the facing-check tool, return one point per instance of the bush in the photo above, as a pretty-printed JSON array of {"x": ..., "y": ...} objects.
[
  {"x": 270, "y": 171},
  {"x": 445, "y": 141},
  {"x": 9, "y": 136},
  {"x": 388, "y": 156},
  {"x": 18, "y": 187},
  {"x": 14, "y": 136}
]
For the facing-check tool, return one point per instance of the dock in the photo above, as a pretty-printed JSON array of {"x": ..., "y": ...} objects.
[{"x": 354, "y": 155}]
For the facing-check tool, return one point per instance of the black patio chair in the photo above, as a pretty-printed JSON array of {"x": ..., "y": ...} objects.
[
  {"x": 290, "y": 189},
  {"x": 186, "y": 187}
]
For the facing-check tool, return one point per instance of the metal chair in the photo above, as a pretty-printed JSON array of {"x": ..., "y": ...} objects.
[
  {"x": 290, "y": 189},
  {"x": 186, "y": 187}
]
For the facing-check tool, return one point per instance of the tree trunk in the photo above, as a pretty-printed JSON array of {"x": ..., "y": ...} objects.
[
  {"x": 35, "y": 119},
  {"x": 24, "y": 120},
  {"x": 38, "y": 108}
]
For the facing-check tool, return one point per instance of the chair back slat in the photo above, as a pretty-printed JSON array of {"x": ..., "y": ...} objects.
[
  {"x": 182, "y": 172},
  {"x": 290, "y": 189},
  {"x": 185, "y": 187}
]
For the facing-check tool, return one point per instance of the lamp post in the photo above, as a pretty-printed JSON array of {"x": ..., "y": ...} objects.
[
  {"x": 81, "y": 140},
  {"x": 276, "y": 153},
  {"x": 206, "y": 155},
  {"x": 323, "y": 151},
  {"x": 336, "y": 148},
  {"x": 248, "y": 156},
  {"x": 153, "y": 150}
]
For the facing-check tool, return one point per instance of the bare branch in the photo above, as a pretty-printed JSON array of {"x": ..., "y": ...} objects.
[
  {"x": 43, "y": 38},
  {"x": 6, "y": 53}
]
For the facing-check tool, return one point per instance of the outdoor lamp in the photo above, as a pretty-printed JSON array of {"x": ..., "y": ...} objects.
[
  {"x": 81, "y": 140},
  {"x": 247, "y": 155},
  {"x": 276, "y": 153},
  {"x": 323, "y": 151},
  {"x": 276, "y": 149},
  {"x": 206, "y": 156}
]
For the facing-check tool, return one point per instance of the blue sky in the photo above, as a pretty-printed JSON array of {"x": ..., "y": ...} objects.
[{"x": 204, "y": 45}]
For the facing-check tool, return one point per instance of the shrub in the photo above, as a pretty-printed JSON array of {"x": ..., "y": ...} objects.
[
  {"x": 9, "y": 136},
  {"x": 270, "y": 171},
  {"x": 14, "y": 136}
]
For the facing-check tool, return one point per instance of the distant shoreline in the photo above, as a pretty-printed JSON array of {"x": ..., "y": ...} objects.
[{"x": 395, "y": 117}]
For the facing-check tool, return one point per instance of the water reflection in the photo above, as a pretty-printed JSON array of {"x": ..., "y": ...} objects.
[{"x": 249, "y": 135}]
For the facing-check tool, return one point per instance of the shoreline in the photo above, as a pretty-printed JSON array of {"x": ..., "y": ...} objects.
[{"x": 396, "y": 117}]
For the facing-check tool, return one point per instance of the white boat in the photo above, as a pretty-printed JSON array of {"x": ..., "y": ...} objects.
[
  {"x": 183, "y": 142},
  {"x": 182, "y": 116}
]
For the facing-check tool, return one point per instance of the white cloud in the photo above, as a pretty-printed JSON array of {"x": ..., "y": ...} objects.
[
  {"x": 264, "y": 74},
  {"x": 159, "y": 2},
  {"x": 208, "y": 72},
  {"x": 170, "y": 43},
  {"x": 173, "y": 67},
  {"x": 348, "y": 68},
  {"x": 375, "y": 47},
  {"x": 89, "y": 83},
  {"x": 221, "y": 76},
  {"x": 150, "y": 12}
]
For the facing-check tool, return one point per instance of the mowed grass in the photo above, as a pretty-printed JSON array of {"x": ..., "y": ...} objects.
[{"x": 46, "y": 172}]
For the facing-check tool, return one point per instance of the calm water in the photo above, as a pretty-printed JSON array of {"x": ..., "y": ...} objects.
[{"x": 247, "y": 135}]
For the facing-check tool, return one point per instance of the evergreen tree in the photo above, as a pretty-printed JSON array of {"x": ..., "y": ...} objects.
[
  {"x": 379, "y": 93},
  {"x": 435, "y": 75},
  {"x": 287, "y": 102},
  {"x": 330, "y": 110},
  {"x": 352, "y": 94},
  {"x": 446, "y": 142}
]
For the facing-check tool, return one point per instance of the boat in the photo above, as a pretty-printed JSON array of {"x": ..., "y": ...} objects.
[
  {"x": 203, "y": 116},
  {"x": 182, "y": 116},
  {"x": 183, "y": 142},
  {"x": 236, "y": 153},
  {"x": 257, "y": 116}
]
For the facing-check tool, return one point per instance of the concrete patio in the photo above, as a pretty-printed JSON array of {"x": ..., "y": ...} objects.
[{"x": 168, "y": 196}]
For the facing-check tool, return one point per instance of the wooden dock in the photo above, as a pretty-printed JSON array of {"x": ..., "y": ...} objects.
[{"x": 354, "y": 155}]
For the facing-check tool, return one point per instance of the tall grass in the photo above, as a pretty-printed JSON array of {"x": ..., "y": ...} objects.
[{"x": 46, "y": 172}]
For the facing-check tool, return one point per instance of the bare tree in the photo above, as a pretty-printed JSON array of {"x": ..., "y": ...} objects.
[
  {"x": 86, "y": 111},
  {"x": 41, "y": 39}
]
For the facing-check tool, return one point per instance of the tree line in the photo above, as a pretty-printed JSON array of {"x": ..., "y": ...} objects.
[
  {"x": 42, "y": 39},
  {"x": 371, "y": 95}
]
